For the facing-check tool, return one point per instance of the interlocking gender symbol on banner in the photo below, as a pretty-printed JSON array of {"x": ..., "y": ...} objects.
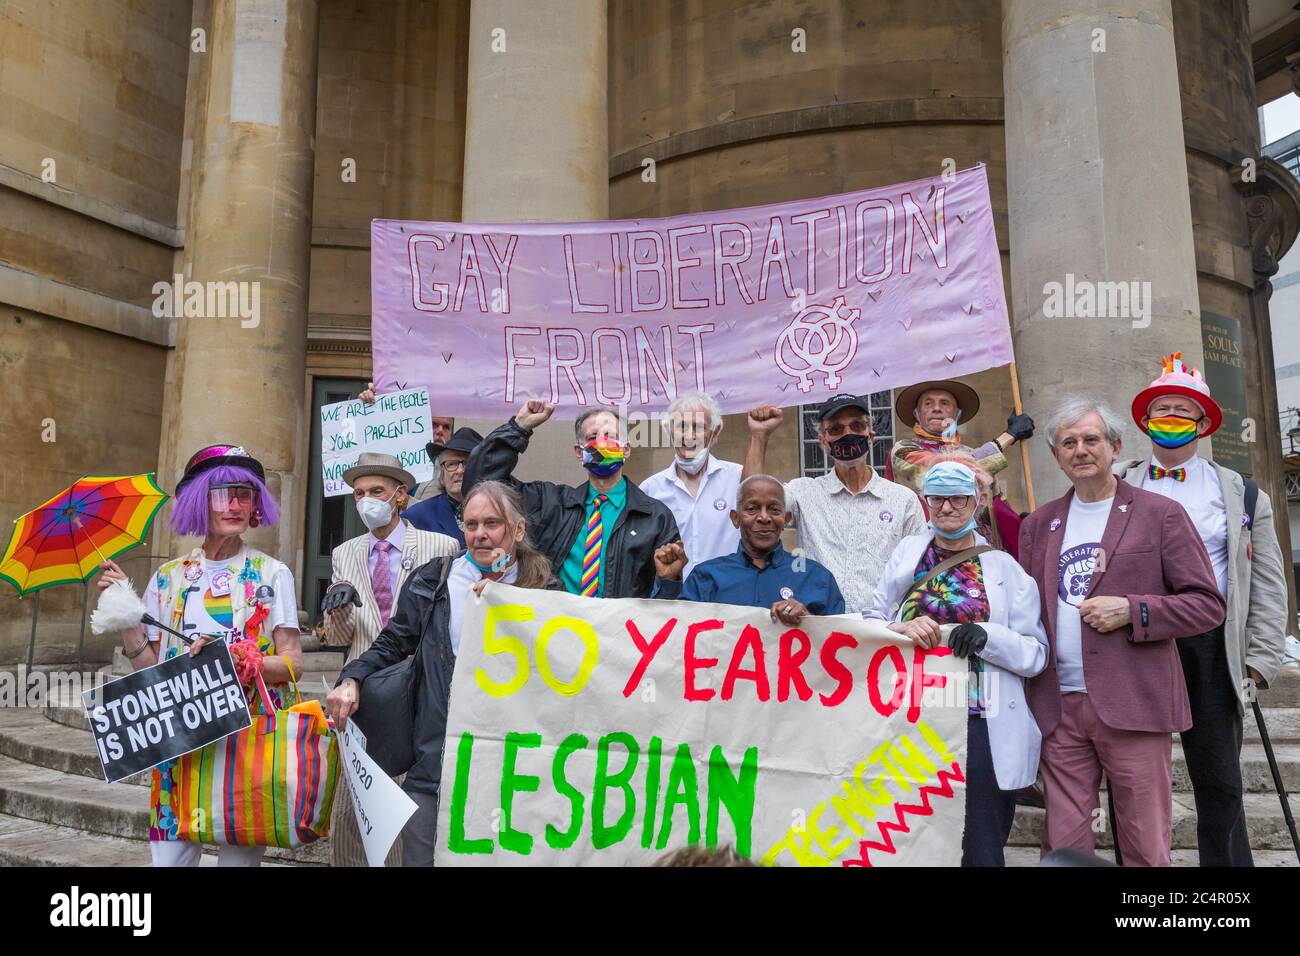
[{"x": 823, "y": 339}]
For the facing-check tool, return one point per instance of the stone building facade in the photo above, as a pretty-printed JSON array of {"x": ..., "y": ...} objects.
[{"x": 254, "y": 140}]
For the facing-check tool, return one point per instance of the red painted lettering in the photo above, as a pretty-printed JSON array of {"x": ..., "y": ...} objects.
[
  {"x": 921, "y": 680},
  {"x": 895, "y": 658},
  {"x": 788, "y": 664},
  {"x": 752, "y": 642},
  {"x": 648, "y": 650},
  {"x": 835, "y": 669},
  {"x": 693, "y": 663}
]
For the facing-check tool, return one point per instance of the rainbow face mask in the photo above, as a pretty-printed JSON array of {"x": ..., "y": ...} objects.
[
  {"x": 1172, "y": 431},
  {"x": 603, "y": 456}
]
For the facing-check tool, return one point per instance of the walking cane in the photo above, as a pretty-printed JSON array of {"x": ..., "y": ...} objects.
[
  {"x": 1114, "y": 824},
  {"x": 1277, "y": 777}
]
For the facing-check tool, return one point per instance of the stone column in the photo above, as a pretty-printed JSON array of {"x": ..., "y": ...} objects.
[
  {"x": 537, "y": 141},
  {"x": 242, "y": 379},
  {"x": 1097, "y": 193},
  {"x": 536, "y": 129}
]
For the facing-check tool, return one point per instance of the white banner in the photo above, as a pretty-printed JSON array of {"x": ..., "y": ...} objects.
[
  {"x": 397, "y": 423},
  {"x": 382, "y": 808},
  {"x": 613, "y": 732}
]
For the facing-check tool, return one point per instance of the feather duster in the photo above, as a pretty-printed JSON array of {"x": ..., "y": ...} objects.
[{"x": 119, "y": 608}]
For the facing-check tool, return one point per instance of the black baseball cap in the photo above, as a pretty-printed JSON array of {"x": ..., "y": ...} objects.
[{"x": 841, "y": 402}]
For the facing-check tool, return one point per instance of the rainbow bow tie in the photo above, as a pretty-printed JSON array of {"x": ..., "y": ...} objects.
[{"x": 1177, "y": 474}]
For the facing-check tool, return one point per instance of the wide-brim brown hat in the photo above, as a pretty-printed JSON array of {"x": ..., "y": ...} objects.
[
  {"x": 968, "y": 400},
  {"x": 377, "y": 463}
]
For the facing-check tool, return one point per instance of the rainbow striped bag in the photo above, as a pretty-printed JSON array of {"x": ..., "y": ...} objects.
[{"x": 270, "y": 784}]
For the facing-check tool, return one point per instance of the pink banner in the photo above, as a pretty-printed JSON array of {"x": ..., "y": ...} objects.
[{"x": 789, "y": 303}]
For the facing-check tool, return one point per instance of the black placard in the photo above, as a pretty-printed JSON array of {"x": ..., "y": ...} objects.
[{"x": 167, "y": 710}]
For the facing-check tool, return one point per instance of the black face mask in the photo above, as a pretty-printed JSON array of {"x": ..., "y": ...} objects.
[{"x": 849, "y": 447}]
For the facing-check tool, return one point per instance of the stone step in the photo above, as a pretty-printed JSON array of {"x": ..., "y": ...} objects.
[
  {"x": 68, "y": 800},
  {"x": 1283, "y": 725},
  {"x": 1264, "y": 822},
  {"x": 28, "y": 843},
  {"x": 323, "y": 660},
  {"x": 1029, "y": 855},
  {"x": 331, "y": 660},
  {"x": 29, "y": 736},
  {"x": 1255, "y": 774},
  {"x": 1285, "y": 689}
]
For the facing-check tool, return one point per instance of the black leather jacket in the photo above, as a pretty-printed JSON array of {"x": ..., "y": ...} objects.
[
  {"x": 556, "y": 515},
  {"x": 421, "y": 617}
]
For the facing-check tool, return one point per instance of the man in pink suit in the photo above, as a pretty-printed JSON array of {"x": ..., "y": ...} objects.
[{"x": 1122, "y": 573}]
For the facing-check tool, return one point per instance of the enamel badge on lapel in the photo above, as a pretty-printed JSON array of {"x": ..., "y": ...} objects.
[
  {"x": 407, "y": 563},
  {"x": 1056, "y": 523},
  {"x": 1123, "y": 508}
]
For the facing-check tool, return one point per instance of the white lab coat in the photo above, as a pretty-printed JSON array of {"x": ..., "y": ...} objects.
[{"x": 1016, "y": 648}]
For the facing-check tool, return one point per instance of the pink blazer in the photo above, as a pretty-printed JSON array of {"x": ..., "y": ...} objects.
[{"x": 1154, "y": 557}]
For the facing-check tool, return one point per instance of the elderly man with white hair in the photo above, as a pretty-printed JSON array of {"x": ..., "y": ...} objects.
[
  {"x": 1122, "y": 575},
  {"x": 698, "y": 487}
]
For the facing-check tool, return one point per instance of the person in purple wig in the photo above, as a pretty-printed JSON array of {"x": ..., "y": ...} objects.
[{"x": 222, "y": 590}]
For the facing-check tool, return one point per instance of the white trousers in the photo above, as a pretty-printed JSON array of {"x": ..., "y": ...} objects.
[{"x": 185, "y": 853}]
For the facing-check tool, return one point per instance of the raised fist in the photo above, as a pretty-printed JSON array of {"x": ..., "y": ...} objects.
[
  {"x": 765, "y": 419},
  {"x": 533, "y": 413},
  {"x": 670, "y": 560}
]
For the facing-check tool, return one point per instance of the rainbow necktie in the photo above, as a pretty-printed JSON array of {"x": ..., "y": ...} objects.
[
  {"x": 590, "y": 582},
  {"x": 1177, "y": 474}
]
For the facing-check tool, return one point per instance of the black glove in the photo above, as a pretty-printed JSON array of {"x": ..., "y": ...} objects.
[
  {"x": 1020, "y": 427},
  {"x": 339, "y": 595},
  {"x": 967, "y": 639}
]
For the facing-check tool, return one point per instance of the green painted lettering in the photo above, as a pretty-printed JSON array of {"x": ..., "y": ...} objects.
[
  {"x": 512, "y": 783},
  {"x": 603, "y": 835},
  {"x": 734, "y": 792},
  {"x": 554, "y": 838},
  {"x": 456, "y": 841}
]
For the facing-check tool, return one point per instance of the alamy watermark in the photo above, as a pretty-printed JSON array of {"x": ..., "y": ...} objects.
[
  {"x": 208, "y": 300},
  {"x": 1088, "y": 299}
]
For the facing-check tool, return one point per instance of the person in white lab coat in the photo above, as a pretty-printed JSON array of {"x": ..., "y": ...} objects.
[{"x": 995, "y": 607}]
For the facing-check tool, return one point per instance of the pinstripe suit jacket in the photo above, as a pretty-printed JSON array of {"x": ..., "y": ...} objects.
[{"x": 358, "y": 626}]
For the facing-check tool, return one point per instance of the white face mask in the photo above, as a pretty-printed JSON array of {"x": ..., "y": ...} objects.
[
  {"x": 375, "y": 512},
  {"x": 693, "y": 466}
]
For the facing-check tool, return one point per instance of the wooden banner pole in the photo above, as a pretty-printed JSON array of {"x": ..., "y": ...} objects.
[{"x": 1024, "y": 448}]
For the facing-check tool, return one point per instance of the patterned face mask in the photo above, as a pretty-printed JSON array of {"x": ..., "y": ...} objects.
[
  {"x": 603, "y": 456},
  {"x": 1172, "y": 431}
]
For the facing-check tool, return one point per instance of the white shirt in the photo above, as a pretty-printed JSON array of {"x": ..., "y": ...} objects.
[
  {"x": 1084, "y": 527},
  {"x": 208, "y": 610},
  {"x": 704, "y": 521},
  {"x": 397, "y": 538},
  {"x": 852, "y": 535},
  {"x": 460, "y": 579},
  {"x": 1201, "y": 495}
]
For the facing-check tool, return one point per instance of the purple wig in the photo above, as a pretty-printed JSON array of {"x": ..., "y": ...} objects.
[{"x": 190, "y": 507}]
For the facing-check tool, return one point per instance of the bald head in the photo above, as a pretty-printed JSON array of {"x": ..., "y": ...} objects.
[
  {"x": 759, "y": 484},
  {"x": 760, "y": 514}
]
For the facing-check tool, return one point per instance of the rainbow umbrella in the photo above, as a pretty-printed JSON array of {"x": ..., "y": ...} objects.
[{"x": 64, "y": 540}]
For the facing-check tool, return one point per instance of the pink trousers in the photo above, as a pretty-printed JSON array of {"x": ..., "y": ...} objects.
[{"x": 1137, "y": 765}]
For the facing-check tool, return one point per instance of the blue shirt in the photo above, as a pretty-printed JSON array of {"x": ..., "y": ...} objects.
[
  {"x": 435, "y": 514},
  {"x": 735, "y": 579}
]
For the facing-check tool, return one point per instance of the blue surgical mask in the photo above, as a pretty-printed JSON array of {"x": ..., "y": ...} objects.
[{"x": 960, "y": 533}]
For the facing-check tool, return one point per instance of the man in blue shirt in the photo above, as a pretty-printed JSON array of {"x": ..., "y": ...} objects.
[{"x": 761, "y": 573}]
